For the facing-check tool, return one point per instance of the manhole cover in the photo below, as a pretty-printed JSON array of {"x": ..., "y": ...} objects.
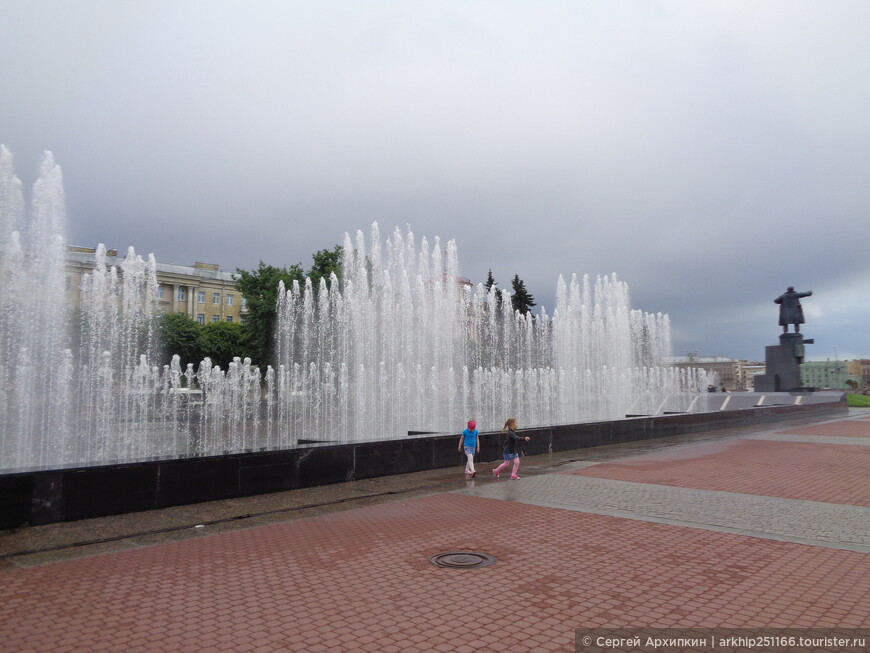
[{"x": 462, "y": 560}]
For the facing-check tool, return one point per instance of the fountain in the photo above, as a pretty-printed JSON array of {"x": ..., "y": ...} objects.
[
  {"x": 34, "y": 358},
  {"x": 400, "y": 344},
  {"x": 403, "y": 344}
]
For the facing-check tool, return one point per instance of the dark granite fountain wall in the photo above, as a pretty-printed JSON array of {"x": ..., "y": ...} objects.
[{"x": 45, "y": 496}]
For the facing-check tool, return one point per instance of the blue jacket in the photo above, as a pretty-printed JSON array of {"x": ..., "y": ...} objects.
[{"x": 469, "y": 438}]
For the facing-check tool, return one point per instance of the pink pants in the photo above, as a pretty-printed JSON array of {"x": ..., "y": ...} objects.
[{"x": 506, "y": 464}]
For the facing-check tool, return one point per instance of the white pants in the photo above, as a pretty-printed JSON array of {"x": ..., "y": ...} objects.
[{"x": 469, "y": 466}]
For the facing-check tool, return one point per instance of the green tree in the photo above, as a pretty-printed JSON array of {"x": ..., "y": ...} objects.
[
  {"x": 490, "y": 281},
  {"x": 179, "y": 334},
  {"x": 326, "y": 261},
  {"x": 521, "y": 300},
  {"x": 221, "y": 341},
  {"x": 260, "y": 289}
]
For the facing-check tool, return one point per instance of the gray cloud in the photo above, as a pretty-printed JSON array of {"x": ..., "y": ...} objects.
[{"x": 709, "y": 153}]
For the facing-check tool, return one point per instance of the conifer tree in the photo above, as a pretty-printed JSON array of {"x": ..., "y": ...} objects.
[
  {"x": 490, "y": 281},
  {"x": 521, "y": 300}
]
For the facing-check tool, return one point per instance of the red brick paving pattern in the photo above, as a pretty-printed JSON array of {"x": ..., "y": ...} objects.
[
  {"x": 845, "y": 429},
  {"x": 360, "y": 581},
  {"x": 792, "y": 470}
]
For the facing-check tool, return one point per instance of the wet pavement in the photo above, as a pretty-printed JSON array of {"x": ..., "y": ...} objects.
[{"x": 765, "y": 528}]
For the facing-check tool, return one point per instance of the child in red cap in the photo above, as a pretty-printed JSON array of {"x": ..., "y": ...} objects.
[{"x": 470, "y": 443}]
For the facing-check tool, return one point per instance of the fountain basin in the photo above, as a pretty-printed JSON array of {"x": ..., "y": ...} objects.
[{"x": 41, "y": 496}]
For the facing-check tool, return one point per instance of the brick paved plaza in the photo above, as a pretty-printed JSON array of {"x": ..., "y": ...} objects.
[{"x": 742, "y": 529}]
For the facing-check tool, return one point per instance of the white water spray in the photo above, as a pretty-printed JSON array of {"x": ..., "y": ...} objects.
[
  {"x": 399, "y": 344},
  {"x": 403, "y": 344}
]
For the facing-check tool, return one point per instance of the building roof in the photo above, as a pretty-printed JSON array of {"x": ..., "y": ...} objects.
[
  {"x": 700, "y": 360},
  {"x": 86, "y": 256},
  {"x": 205, "y": 273}
]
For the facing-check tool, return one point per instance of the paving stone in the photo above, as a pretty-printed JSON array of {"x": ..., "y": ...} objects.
[
  {"x": 831, "y": 473},
  {"x": 811, "y": 522},
  {"x": 842, "y": 428},
  {"x": 858, "y": 440},
  {"x": 359, "y": 579}
]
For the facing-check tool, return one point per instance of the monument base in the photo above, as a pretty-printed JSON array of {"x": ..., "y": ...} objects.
[{"x": 782, "y": 364}]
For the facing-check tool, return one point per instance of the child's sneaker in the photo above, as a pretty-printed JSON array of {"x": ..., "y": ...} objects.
[
  {"x": 515, "y": 478},
  {"x": 495, "y": 473}
]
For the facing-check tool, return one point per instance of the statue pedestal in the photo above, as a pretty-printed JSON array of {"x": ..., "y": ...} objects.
[{"x": 782, "y": 364}]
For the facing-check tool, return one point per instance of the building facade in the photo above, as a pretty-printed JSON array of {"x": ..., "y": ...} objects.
[
  {"x": 728, "y": 370},
  {"x": 739, "y": 375},
  {"x": 748, "y": 372},
  {"x": 830, "y": 374},
  {"x": 203, "y": 291}
]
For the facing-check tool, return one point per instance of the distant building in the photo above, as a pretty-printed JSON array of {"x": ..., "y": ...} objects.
[
  {"x": 728, "y": 370},
  {"x": 748, "y": 371},
  {"x": 829, "y": 374},
  {"x": 853, "y": 370},
  {"x": 738, "y": 375},
  {"x": 203, "y": 291}
]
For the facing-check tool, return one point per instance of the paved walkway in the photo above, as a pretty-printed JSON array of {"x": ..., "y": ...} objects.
[{"x": 734, "y": 529}]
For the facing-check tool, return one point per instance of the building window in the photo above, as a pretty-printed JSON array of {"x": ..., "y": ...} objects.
[
  {"x": 244, "y": 302},
  {"x": 215, "y": 318},
  {"x": 200, "y": 297},
  {"x": 229, "y": 299},
  {"x": 216, "y": 298},
  {"x": 181, "y": 295},
  {"x": 159, "y": 292},
  {"x": 201, "y": 318},
  {"x": 229, "y": 318}
]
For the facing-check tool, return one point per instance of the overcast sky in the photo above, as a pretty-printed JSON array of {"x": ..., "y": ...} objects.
[{"x": 709, "y": 153}]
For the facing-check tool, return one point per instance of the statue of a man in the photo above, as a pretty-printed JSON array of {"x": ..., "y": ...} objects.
[{"x": 790, "y": 310}]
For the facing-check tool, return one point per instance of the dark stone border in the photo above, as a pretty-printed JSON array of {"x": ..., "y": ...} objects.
[{"x": 46, "y": 496}]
